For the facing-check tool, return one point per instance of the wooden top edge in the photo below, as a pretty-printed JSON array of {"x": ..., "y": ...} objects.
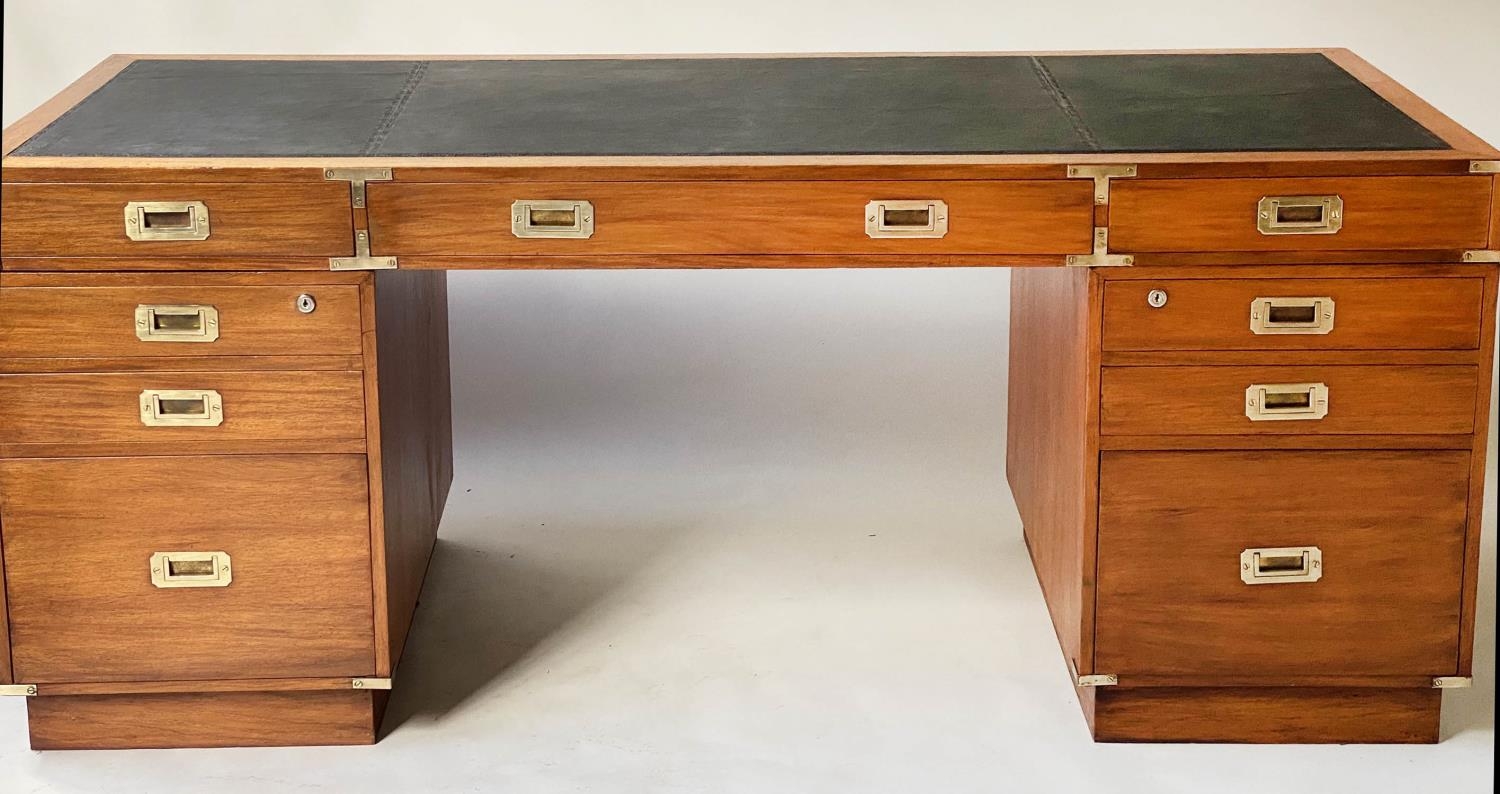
[
  {"x": 670, "y": 55},
  {"x": 1437, "y": 122},
  {"x": 1465, "y": 144},
  {"x": 49, "y": 111},
  {"x": 20, "y": 164}
]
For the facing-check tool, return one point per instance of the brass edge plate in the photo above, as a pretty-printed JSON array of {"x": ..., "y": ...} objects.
[{"x": 1101, "y": 174}]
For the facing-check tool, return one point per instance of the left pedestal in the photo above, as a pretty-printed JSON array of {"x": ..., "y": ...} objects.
[{"x": 215, "y": 513}]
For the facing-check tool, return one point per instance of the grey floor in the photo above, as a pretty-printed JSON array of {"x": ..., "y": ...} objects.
[{"x": 744, "y": 532}]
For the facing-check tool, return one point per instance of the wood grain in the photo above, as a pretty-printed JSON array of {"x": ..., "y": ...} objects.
[
  {"x": 17, "y": 366},
  {"x": 1172, "y": 525},
  {"x": 1338, "y": 441},
  {"x": 1015, "y": 217},
  {"x": 1191, "y": 266},
  {"x": 116, "y": 278},
  {"x": 196, "y": 687},
  {"x": 124, "y": 449},
  {"x": 1220, "y": 214},
  {"x": 244, "y": 219},
  {"x": 224, "y": 719},
  {"x": 1297, "y": 715},
  {"x": 414, "y": 451},
  {"x": 1228, "y": 358},
  {"x": 1495, "y": 215},
  {"x": 1361, "y": 400},
  {"x": 1472, "y": 543},
  {"x": 79, "y": 535},
  {"x": 258, "y": 406},
  {"x": 1383, "y": 314},
  {"x": 5, "y": 670},
  {"x": 47, "y": 322},
  {"x": 1051, "y": 438}
]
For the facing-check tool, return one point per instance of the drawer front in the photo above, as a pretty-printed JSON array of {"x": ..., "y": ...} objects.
[
  {"x": 179, "y": 320},
  {"x": 82, "y": 537},
  {"x": 1001, "y": 217},
  {"x": 252, "y": 406},
  {"x": 1293, "y": 314},
  {"x": 1378, "y": 213},
  {"x": 1173, "y": 527},
  {"x": 1376, "y": 400},
  {"x": 291, "y": 219}
]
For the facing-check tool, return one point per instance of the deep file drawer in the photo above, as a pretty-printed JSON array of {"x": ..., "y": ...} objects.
[
  {"x": 177, "y": 568},
  {"x": 171, "y": 319},
  {"x": 168, "y": 407},
  {"x": 1293, "y": 314},
  {"x": 1309, "y": 400},
  {"x": 1278, "y": 563}
]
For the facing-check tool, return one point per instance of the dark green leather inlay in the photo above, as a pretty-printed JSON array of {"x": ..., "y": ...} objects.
[{"x": 728, "y": 106}]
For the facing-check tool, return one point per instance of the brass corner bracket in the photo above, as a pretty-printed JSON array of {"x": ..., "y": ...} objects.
[
  {"x": 1481, "y": 256},
  {"x": 362, "y": 259},
  {"x": 1484, "y": 166},
  {"x": 18, "y": 690},
  {"x": 370, "y": 683},
  {"x": 1452, "y": 682},
  {"x": 1108, "y": 679},
  {"x": 357, "y": 177},
  {"x": 1101, "y": 174},
  {"x": 1101, "y": 257}
]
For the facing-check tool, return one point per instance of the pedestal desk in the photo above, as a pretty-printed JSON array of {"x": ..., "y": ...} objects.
[{"x": 1252, "y": 329}]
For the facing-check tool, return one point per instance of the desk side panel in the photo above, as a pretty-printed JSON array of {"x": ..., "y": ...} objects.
[
  {"x": 1052, "y": 453},
  {"x": 412, "y": 450}
]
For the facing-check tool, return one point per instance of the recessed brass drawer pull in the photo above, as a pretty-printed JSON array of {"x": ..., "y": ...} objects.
[
  {"x": 191, "y": 569},
  {"x": 1282, "y": 401},
  {"x": 157, "y": 323},
  {"x": 1291, "y": 315},
  {"x": 1300, "y": 215},
  {"x": 889, "y": 218},
  {"x": 1281, "y": 565},
  {"x": 181, "y": 408},
  {"x": 166, "y": 220},
  {"x": 552, "y": 218}
]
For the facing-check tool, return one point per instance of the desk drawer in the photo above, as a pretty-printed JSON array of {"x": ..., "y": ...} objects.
[
  {"x": 1387, "y": 526},
  {"x": 179, "y": 320},
  {"x": 1375, "y": 400},
  {"x": 82, "y": 539},
  {"x": 998, "y": 217},
  {"x": 179, "y": 220},
  {"x": 168, "y": 407},
  {"x": 1293, "y": 314},
  {"x": 1370, "y": 213}
]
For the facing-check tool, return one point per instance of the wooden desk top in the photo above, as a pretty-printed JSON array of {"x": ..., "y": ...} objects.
[{"x": 1294, "y": 101}]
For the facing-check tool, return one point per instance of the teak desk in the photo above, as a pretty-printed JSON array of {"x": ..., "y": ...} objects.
[{"x": 1252, "y": 340}]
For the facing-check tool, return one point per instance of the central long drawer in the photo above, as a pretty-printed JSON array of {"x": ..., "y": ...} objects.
[{"x": 752, "y": 217}]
